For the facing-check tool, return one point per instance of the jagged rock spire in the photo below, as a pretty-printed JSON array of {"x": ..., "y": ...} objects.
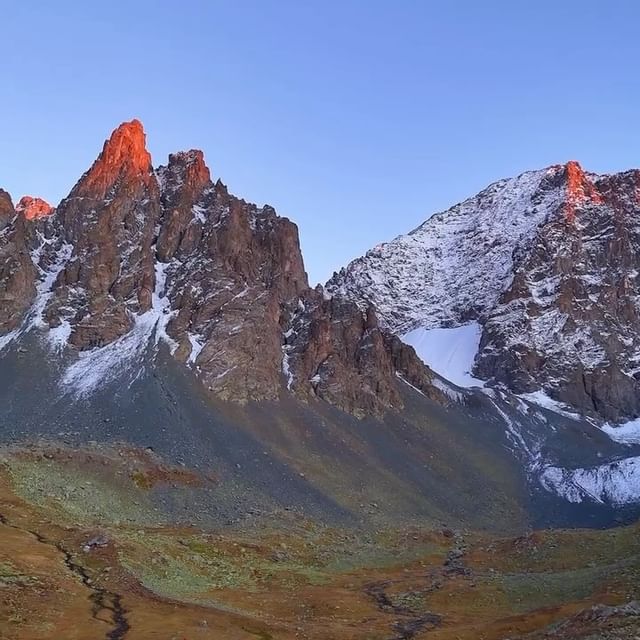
[
  {"x": 124, "y": 156},
  {"x": 34, "y": 208}
]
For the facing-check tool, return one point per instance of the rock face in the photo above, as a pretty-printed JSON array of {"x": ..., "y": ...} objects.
[
  {"x": 107, "y": 226},
  {"x": 547, "y": 263},
  {"x": 137, "y": 258},
  {"x": 33, "y": 208},
  {"x": 569, "y": 321},
  {"x": 17, "y": 272},
  {"x": 336, "y": 352},
  {"x": 230, "y": 267}
]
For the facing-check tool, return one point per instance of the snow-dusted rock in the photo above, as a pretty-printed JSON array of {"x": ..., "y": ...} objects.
[
  {"x": 453, "y": 267},
  {"x": 546, "y": 263}
]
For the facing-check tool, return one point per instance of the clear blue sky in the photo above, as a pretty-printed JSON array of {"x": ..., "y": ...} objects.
[{"x": 355, "y": 118}]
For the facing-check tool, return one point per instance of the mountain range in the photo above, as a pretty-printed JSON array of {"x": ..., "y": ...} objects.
[{"x": 153, "y": 307}]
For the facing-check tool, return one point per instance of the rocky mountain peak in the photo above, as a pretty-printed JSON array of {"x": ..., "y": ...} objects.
[
  {"x": 186, "y": 171},
  {"x": 124, "y": 157},
  {"x": 107, "y": 224},
  {"x": 544, "y": 266},
  {"x": 135, "y": 258},
  {"x": 192, "y": 165},
  {"x": 580, "y": 189},
  {"x": 34, "y": 208},
  {"x": 17, "y": 272}
]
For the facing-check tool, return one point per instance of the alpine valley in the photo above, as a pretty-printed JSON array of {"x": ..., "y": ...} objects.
[{"x": 442, "y": 442}]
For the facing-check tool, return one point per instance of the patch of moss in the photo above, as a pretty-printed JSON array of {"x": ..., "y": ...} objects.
[
  {"x": 169, "y": 567},
  {"x": 193, "y": 568},
  {"x": 142, "y": 480},
  {"x": 11, "y": 576},
  {"x": 566, "y": 550},
  {"x": 526, "y": 592},
  {"x": 80, "y": 496}
]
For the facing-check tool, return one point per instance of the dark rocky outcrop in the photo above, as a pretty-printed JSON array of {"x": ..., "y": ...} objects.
[
  {"x": 17, "y": 271},
  {"x": 336, "y": 352},
  {"x": 170, "y": 257}
]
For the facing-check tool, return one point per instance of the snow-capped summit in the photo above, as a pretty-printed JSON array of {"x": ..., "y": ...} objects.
[
  {"x": 546, "y": 264},
  {"x": 453, "y": 267}
]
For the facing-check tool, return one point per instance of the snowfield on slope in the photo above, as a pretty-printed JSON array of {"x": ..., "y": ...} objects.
[
  {"x": 615, "y": 482},
  {"x": 627, "y": 433},
  {"x": 97, "y": 366},
  {"x": 449, "y": 352}
]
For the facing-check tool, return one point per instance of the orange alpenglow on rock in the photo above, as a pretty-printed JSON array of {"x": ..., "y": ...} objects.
[
  {"x": 196, "y": 172},
  {"x": 34, "y": 208},
  {"x": 579, "y": 189},
  {"x": 124, "y": 156}
]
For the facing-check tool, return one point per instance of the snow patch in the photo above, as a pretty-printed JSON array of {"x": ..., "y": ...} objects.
[
  {"x": 448, "y": 390},
  {"x": 161, "y": 307},
  {"x": 286, "y": 367},
  {"x": 8, "y": 338},
  {"x": 44, "y": 289},
  {"x": 449, "y": 352},
  {"x": 225, "y": 373},
  {"x": 616, "y": 483},
  {"x": 627, "y": 433},
  {"x": 199, "y": 213},
  {"x": 101, "y": 365},
  {"x": 58, "y": 337},
  {"x": 517, "y": 438},
  {"x": 196, "y": 347},
  {"x": 541, "y": 399}
]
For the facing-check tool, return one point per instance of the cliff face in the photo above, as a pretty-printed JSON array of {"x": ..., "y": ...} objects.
[
  {"x": 17, "y": 272},
  {"x": 336, "y": 352},
  {"x": 137, "y": 257},
  {"x": 569, "y": 321},
  {"x": 546, "y": 263}
]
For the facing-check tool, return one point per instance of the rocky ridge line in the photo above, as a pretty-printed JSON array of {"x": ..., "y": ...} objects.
[{"x": 137, "y": 258}]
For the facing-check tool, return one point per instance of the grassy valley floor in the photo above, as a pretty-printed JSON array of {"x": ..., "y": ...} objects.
[{"x": 90, "y": 548}]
